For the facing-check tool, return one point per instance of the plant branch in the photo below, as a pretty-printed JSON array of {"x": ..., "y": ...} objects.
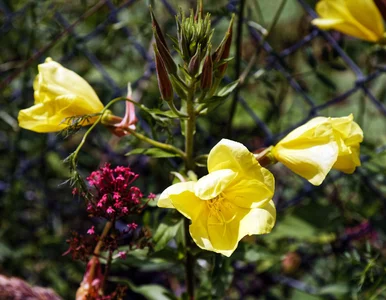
[
  {"x": 189, "y": 165},
  {"x": 98, "y": 247},
  {"x": 163, "y": 146}
]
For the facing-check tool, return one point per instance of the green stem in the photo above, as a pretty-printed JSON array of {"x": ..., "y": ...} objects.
[
  {"x": 174, "y": 109},
  {"x": 190, "y": 127},
  {"x": 160, "y": 145},
  {"x": 163, "y": 146},
  {"x": 75, "y": 154}
]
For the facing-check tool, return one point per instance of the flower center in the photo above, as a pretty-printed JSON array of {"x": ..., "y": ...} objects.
[{"x": 219, "y": 212}]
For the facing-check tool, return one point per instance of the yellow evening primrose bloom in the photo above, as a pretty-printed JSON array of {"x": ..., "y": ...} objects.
[
  {"x": 348, "y": 136},
  {"x": 232, "y": 201},
  {"x": 310, "y": 150},
  {"x": 358, "y": 18},
  {"x": 321, "y": 144},
  {"x": 59, "y": 94}
]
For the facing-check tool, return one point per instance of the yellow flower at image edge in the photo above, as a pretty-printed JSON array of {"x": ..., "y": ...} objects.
[
  {"x": 59, "y": 94},
  {"x": 232, "y": 201},
  {"x": 321, "y": 144},
  {"x": 358, "y": 18}
]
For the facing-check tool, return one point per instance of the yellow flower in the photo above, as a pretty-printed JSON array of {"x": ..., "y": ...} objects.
[
  {"x": 59, "y": 93},
  {"x": 358, "y": 18},
  {"x": 348, "y": 135},
  {"x": 321, "y": 144},
  {"x": 310, "y": 150},
  {"x": 232, "y": 201}
]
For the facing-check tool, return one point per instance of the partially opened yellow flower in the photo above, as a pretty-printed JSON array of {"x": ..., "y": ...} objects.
[
  {"x": 348, "y": 136},
  {"x": 321, "y": 144},
  {"x": 232, "y": 201},
  {"x": 358, "y": 18},
  {"x": 59, "y": 94},
  {"x": 310, "y": 150}
]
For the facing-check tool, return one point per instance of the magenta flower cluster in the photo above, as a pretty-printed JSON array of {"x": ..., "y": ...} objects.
[{"x": 113, "y": 195}]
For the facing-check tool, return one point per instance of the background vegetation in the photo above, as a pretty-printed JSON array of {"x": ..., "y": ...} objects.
[{"x": 329, "y": 240}]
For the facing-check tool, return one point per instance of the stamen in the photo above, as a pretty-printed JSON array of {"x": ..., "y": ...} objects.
[{"x": 215, "y": 206}]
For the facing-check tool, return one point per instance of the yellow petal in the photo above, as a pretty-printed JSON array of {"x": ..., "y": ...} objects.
[
  {"x": 199, "y": 231},
  {"x": 355, "y": 136},
  {"x": 342, "y": 125},
  {"x": 355, "y": 22},
  {"x": 347, "y": 163},
  {"x": 50, "y": 116},
  {"x": 235, "y": 156},
  {"x": 348, "y": 135},
  {"x": 54, "y": 80},
  {"x": 326, "y": 24},
  {"x": 318, "y": 127},
  {"x": 59, "y": 94},
  {"x": 231, "y": 155},
  {"x": 258, "y": 220},
  {"x": 249, "y": 193},
  {"x": 211, "y": 185},
  {"x": 312, "y": 162},
  {"x": 366, "y": 13},
  {"x": 223, "y": 228},
  {"x": 347, "y": 130},
  {"x": 164, "y": 199},
  {"x": 189, "y": 205}
]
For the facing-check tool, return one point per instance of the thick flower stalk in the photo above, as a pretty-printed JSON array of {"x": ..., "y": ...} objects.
[
  {"x": 358, "y": 18},
  {"x": 321, "y": 144},
  {"x": 59, "y": 94},
  {"x": 232, "y": 201}
]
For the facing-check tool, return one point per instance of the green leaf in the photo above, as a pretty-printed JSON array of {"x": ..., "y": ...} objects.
[
  {"x": 226, "y": 90},
  {"x": 149, "y": 291},
  {"x": 221, "y": 95},
  {"x": 337, "y": 289},
  {"x": 153, "y": 292},
  {"x": 166, "y": 231},
  {"x": 152, "y": 152},
  {"x": 161, "y": 116},
  {"x": 293, "y": 227}
]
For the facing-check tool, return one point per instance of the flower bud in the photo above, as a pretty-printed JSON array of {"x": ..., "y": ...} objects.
[
  {"x": 164, "y": 83},
  {"x": 192, "y": 32},
  {"x": 162, "y": 46},
  {"x": 199, "y": 10},
  {"x": 207, "y": 73},
  {"x": 223, "y": 50},
  {"x": 194, "y": 64},
  {"x": 157, "y": 28}
]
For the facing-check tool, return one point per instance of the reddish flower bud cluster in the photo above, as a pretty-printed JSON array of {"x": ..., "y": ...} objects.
[
  {"x": 113, "y": 196},
  {"x": 81, "y": 247}
]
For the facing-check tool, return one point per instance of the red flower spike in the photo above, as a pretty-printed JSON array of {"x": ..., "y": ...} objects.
[{"x": 113, "y": 197}]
